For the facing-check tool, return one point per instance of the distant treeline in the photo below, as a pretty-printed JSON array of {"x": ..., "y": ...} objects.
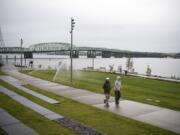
[{"x": 147, "y": 54}]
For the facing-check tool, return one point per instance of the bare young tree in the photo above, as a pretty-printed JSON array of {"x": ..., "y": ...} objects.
[
  {"x": 129, "y": 64},
  {"x": 120, "y": 68},
  {"x": 111, "y": 67},
  {"x": 148, "y": 71}
]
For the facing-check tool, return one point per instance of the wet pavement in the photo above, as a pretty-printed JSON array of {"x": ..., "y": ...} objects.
[{"x": 156, "y": 116}]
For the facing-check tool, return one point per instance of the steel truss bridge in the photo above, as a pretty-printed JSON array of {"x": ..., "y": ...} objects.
[{"x": 76, "y": 51}]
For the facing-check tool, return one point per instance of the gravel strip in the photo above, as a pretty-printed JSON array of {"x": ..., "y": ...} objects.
[{"x": 78, "y": 127}]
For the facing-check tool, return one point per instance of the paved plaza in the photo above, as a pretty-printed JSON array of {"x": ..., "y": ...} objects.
[{"x": 156, "y": 116}]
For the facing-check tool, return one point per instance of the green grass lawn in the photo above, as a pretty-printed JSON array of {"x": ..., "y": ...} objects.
[
  {"x": 134, "y": 88},
  {"x": 106, "y": 122},
  {"x": 30, "y": 118}
]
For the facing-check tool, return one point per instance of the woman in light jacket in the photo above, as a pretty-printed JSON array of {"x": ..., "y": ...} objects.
[{"x": 117, "y": 90}]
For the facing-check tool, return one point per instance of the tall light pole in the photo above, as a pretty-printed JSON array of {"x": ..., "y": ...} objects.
[
  {"x": 21, "y": 52},
  {"x": 71, "y": 52}
]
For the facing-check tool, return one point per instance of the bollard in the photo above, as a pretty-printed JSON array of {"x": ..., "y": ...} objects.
[
  {"x": 6, "y": 58},
  {"x": 0, "y": 58},
  {"x": 25, "y": 62},
  {"x": 15, "y": 59}
]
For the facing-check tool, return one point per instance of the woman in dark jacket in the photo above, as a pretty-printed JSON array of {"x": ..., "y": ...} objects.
[{"x": 107, "y": 88}]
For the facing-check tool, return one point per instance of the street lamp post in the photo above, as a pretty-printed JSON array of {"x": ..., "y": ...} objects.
[
  {"x": 71, "y": 52},
  {"x": 21, "y": 52}
]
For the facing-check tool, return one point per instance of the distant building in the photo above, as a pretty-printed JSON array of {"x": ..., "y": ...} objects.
[{"x": 50, "y": 46}]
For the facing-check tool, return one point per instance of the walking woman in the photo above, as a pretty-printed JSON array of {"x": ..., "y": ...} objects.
[
  {"x": 107, "y": 88},
  {"x": 117, "y": 90}
]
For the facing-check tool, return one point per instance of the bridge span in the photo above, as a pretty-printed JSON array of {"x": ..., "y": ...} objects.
[
  {"x": 89, "y": 51},
  {"x": 61, "y": 48}
]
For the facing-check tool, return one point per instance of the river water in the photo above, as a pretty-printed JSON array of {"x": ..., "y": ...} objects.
[{"x": 165, "y": 67}]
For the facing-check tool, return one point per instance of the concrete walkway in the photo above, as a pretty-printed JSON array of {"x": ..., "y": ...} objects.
[
  {"x": 157, "y": 116},
  {"x": 12, "y": 126},
  {"x": 17, "y": 84},
  {"x": 74, "y": 125},
  {"x": 26, "y": 102}
]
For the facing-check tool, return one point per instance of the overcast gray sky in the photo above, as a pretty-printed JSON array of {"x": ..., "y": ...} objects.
[{"x": 137, "y": 25}]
